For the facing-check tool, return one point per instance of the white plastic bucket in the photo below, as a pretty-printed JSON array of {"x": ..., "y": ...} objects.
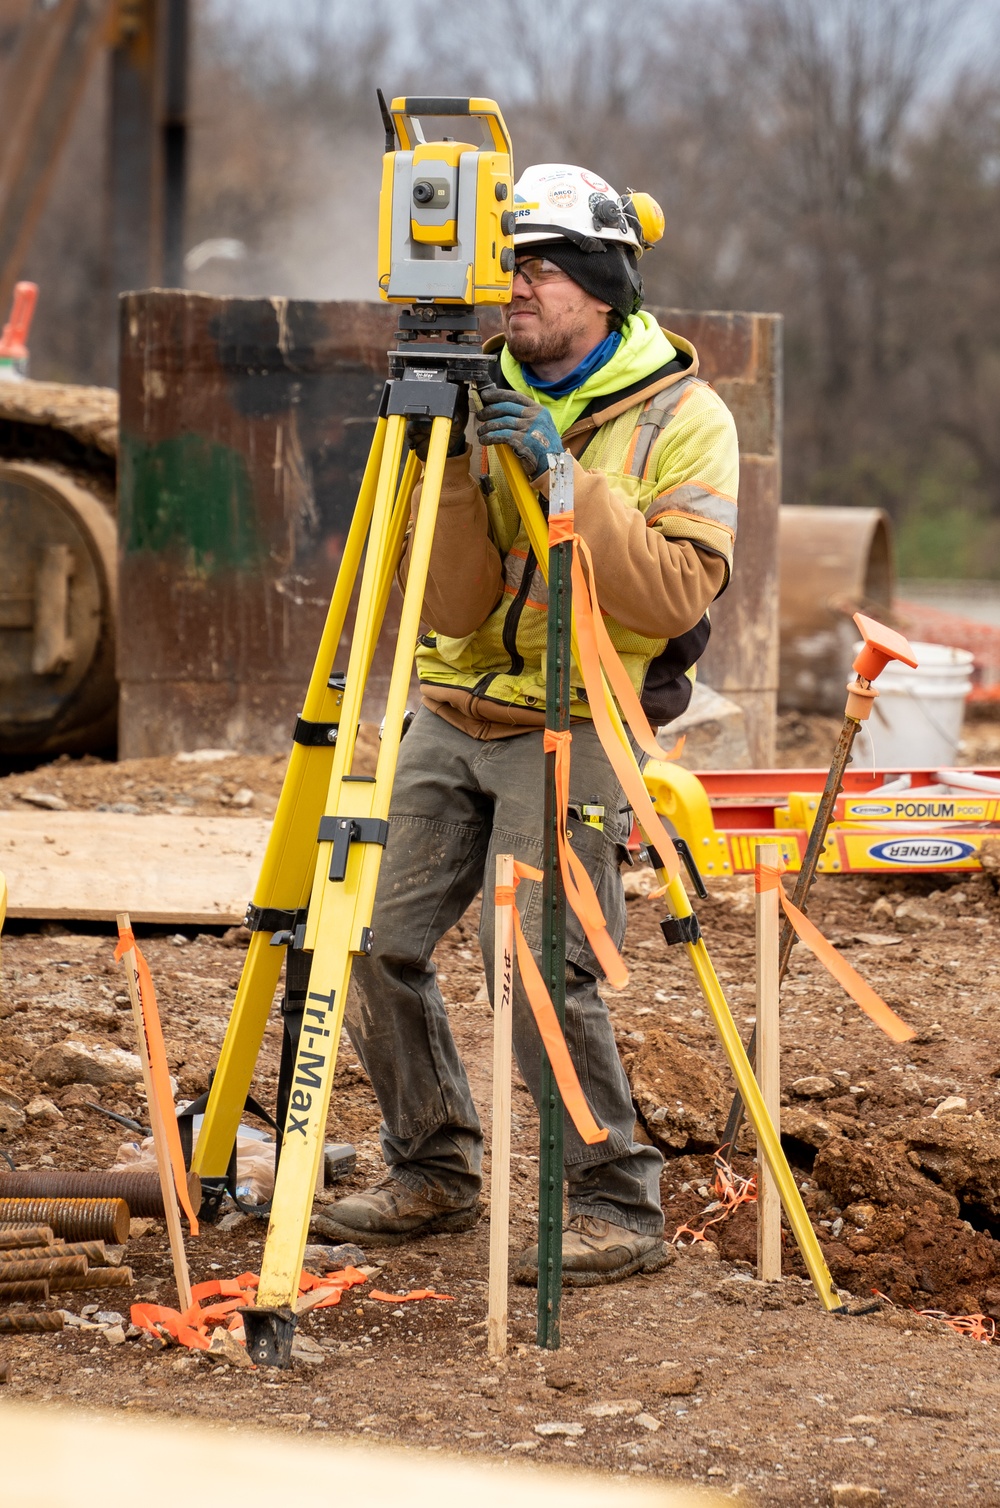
[{"x": 917, "y": 717}]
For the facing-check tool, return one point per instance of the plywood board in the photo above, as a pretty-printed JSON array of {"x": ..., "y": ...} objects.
[{"x": 87, "y": 866}]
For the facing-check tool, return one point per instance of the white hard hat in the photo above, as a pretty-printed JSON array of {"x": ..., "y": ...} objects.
[{"x": 555, "y": 201}]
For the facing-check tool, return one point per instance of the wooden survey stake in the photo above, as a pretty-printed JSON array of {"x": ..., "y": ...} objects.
[
  {"x": 503, "y": 1008},
  {"x": 768, "y": 1065},
  {"x": 157, "y": 1123}
]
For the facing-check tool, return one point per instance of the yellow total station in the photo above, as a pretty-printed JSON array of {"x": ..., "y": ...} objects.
[{"x": 446, "y": 217}]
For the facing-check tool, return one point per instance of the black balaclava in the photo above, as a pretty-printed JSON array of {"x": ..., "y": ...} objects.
[{"x": 610, "y": 274}]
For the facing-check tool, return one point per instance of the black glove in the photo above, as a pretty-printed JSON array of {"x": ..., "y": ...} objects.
[
  {"x": 418, "y": 430},
  {"x": 510, "y": 418}
]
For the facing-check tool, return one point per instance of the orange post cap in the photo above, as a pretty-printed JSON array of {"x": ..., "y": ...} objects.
[
  {"x": 881, "y": 645},
  {"x": 14, "y": 339}
]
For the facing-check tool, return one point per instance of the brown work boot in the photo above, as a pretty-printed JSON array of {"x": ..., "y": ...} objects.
[
  {"x": 595, "y": 1251},
  {"x": 390, "y": 1214}
]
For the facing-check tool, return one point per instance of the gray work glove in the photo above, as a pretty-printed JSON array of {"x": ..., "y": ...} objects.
[{"x": 510, "y": 418}]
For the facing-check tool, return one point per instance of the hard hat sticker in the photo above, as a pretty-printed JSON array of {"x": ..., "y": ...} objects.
[
  {"x": 562, "y": 196},
  {"x": 592, "y": 181}
]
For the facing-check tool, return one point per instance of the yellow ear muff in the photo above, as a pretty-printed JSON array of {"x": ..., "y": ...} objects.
[{"x": 650, "y": 216}]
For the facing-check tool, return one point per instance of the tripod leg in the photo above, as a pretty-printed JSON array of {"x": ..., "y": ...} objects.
[
  {"x": 342, "y": 900},
  {"x": 286, "y": 871}
]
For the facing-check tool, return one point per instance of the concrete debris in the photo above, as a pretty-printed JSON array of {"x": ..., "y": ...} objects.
[
  {"x": 615, "y": 1407},
  {"x": 204, "y": 756},
  {"x": 42, "y": 1109},
  {"x": 805, "y": 1126},
  {"x": 813, "y": 1087},
  {"x": 554, "y": 1427},
  {"x": 304, "y": 1348},
  {"x": 225, "y": 1347},
  {"x": 648, "y": 1421},
  {"x": 953, "y": 1105},
  {"x": 915, "y": 915},
  {"x": 45, "y": 799},
  {"x": 92, "y": 1062},
  {"x": 332, "y": 1258},
  {"x": 12, "y": 1116},
  {"x": 236, "y": 1220}
]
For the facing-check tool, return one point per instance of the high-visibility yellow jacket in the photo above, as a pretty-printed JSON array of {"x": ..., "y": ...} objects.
[{"x": 655, "y": 485}]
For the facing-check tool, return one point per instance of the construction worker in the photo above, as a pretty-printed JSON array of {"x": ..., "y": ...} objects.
[{"x": 580, "y": 367}]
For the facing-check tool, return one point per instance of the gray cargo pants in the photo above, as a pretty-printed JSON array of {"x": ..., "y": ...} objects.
[{"x": 458, "y": 802}]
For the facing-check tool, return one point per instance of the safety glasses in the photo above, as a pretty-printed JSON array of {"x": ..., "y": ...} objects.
[{"x": 539, "y": 270}]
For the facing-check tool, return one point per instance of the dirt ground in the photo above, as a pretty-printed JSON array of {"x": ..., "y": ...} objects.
[{"x": 696, "y": 1373}]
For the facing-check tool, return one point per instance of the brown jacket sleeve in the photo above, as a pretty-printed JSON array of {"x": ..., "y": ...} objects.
[
  {"x": 655, "y": 586},
  {"x": 465, "y": 578}
]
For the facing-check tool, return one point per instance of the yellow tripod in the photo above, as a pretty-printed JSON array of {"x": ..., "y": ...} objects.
[{"x": 317, "y": 885}]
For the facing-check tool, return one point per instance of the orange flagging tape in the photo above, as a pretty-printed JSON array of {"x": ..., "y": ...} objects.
[
  {"x": 584, "y": 584},
  {"x": 596, "y": 649},
  {"x": 549, "y": 1029},
  {"x": 978, "y": 1327},
  {"x": 191, "y": 1328},
  {"x": 503, "y": 895},
  {"x": 580, "y": 892},
  {"x": 768, "y": 877},
  {"x": 159, "y": 1070},
  {"x": 560, "y": 528},
  {"x": 406, "y": 1298},
  {"x": 731, "y": 1190}
]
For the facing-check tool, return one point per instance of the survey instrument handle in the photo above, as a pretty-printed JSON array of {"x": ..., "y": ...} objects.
[{"x": 406, "y": 108}]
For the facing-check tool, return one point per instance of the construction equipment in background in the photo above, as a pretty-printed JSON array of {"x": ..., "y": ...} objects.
[
  {"x": 58, "y": 601},
  {"x": 41, "y": 84},
  {"x": 914, "y": 821}
]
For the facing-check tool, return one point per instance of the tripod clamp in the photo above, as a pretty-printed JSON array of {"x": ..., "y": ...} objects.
[{"x": 422, "y": 382}]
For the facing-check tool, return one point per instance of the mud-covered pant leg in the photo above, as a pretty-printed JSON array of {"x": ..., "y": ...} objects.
[
  {"x": 618, "y": 1179},
  {"x": 432, "y": 868}
]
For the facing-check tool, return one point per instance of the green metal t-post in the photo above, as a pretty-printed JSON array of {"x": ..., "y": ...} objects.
[{"x": 558, "y": 659}]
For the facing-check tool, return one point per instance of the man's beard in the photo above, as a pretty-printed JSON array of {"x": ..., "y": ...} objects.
[{"x": 539, "y": 344}]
